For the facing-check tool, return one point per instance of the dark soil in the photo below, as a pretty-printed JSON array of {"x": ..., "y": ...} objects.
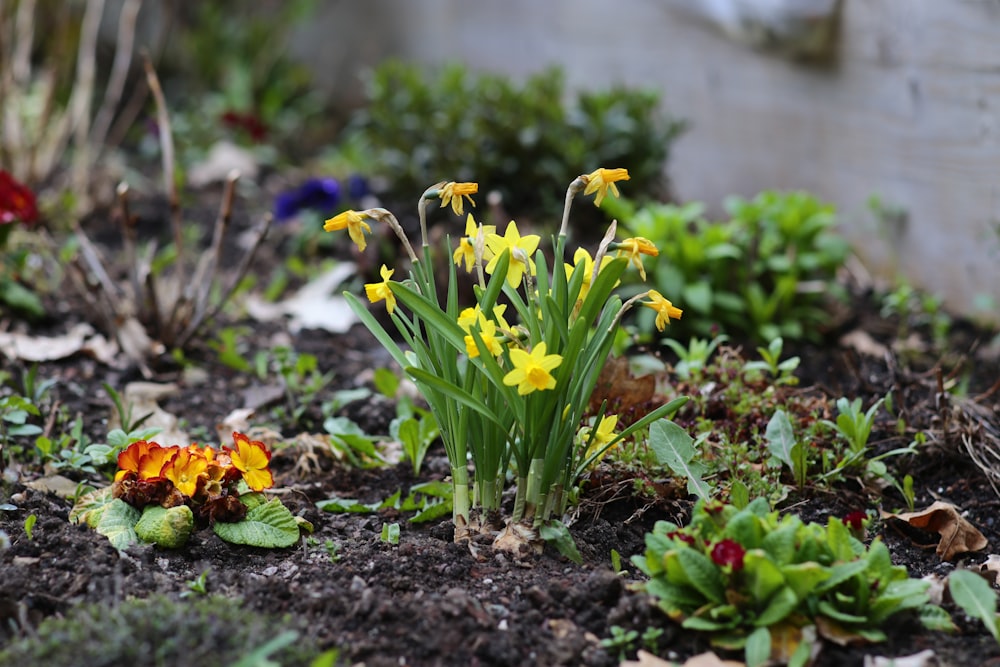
[{"x": 429, "y": 601}]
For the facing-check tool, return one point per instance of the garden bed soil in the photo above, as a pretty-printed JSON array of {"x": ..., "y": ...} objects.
[{"x": 427, "y": 600}]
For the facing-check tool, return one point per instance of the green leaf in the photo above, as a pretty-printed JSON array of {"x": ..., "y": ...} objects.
[
  {"x": 117, "y": 523},
  {"x": 702, "y": 573},
  {"x": 90, "y": 506},
  {"x": 762, "y": 576},
  {"x": 166, "y": 527},
  {"x": 758, "y": 647},
  {"x": 390, "y": 533},
  {"x": 937, "y": 619},
  {"x": 673, "y": 447},
  {"x": 976, "y": 598},
  {"x": 269, "y": 526},
  {"x": 780, "y": 438},
  {"x": 803, "y": 578},
  {"x": 781, "y": 605},
  {"x": 557, "y": 534},
  {"x": 340, "y": 505}
]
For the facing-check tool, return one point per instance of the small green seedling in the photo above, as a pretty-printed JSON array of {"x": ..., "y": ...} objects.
[
  {"x": 197, "y": 586},
  {"x": 782, "y": 372},
  {"x": 29, "y": 525},
  {"x": 390, "y": 533},
  {"x": 694, "y": 357},
  {"x": 622, "y": 640}
]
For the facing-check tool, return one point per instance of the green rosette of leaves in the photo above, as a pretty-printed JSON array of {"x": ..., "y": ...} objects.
[{"x": 763, "y": 583}]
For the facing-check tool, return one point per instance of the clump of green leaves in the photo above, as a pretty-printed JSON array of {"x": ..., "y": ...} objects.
[
  {"x": 765, "y": 272},
  {"x": 749, "y": 576},
  {"x": 507, "y": 136},
  {"x": 213, "y": 631}
]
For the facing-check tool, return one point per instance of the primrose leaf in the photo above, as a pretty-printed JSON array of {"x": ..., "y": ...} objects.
[
  {"x": 268, "y": 526},
  {"x": 556, "y": 533},
  {"x": 90, "y": 506},
  {"x": 702, "y": 574},
  {"x": 781, "y": 605},
  {"x": 673, "y": 447},
  {"x": 758, "y": 647},
  {"x": 976, "y": 598},
  {"x": 762, "y": 576},
  {"x": 117, "y": 523},
  {"x": 780, "y": 438},
  {"x": 166, "y": 527}
]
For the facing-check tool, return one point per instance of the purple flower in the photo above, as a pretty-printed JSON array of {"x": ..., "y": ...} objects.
[{"x": 319, "y": 194}]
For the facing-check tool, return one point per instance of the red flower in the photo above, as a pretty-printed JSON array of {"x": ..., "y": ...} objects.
[
  {"x": 728, "y": 552},
  {"x": 855, "y": 520},
  {"x": 248, "y": 122},
  {"x": 17, "y": 202},
  {"x": 683, "y": 537}
]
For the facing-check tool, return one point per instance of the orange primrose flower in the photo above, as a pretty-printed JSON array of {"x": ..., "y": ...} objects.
[
  {"x": 252, "y": 458},
  {"x": 156, "y": 459},
  {"x": 184, "y": 470},
  {"x": 129, "y": 458}
]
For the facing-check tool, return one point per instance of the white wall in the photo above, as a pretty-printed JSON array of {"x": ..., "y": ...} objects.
[{"x": 909, "y": 109}]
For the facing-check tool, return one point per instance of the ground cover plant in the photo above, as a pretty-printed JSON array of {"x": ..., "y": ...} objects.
[{"x": 473, "y": 462}]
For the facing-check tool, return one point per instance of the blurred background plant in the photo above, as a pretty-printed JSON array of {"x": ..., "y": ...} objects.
[
  {"x": 768, "y": 271},
  {"x": 511, "y": 137},
  {"x": 50, "y": 83}
]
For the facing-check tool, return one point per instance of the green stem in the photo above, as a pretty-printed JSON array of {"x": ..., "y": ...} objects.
[
  {"x": 460, "y": 500},
  {"x": 535, "y": 496},
  {"x": 519, "y": 497}
]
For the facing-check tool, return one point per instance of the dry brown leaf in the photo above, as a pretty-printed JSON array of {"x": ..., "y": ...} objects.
[
  {"x": 832, "y": 631},
  {"x": 957, "y": 535},
  {"x": 991, "y": 568},
  {"x": 619, "y": 387},
  {"x": 142, "y": 398},
  {"x": 922, "y": 659},
  {"x": 649, "y": 660},
  {"x": 44, "y": 348},
  {"x": 863, "y": 343}
]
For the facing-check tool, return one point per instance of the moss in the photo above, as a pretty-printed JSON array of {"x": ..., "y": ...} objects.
[{"x": 161, "y": 632}]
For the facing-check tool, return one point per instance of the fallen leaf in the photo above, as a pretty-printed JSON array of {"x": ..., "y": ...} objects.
[
  {"x": 649, "y": 660},
  {"x": 957, "y": 535},
  {"x": 935, "y": 592},
  {"x": 832, "y": 631},
  {"x": 863, "y": 343},
  {"x": 44, "y": 348},
  {"x": 141, "y": 399},
  {"x": 56, "y": 485},
  {"x": 922, "y": 659},
  {"x": 237, "y": 420},
  {"x": 991, "y": 568},
  {"x": 313, "y": 306},
  {"x": 222, "y": 158}
]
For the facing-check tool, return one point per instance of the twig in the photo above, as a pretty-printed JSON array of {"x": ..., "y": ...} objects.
[
  {"x": 238, "y": 277},
  {"x": 167, "y": 151},
  {"x": 93, "y": 258},
  {"x": 119, "y": 73},
  {"x": 82, "y": 98},
  {"x": 129, "y": 238}
]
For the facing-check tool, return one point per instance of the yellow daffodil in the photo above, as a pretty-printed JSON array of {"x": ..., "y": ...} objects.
[
  {"x": 474, "y": 234},
  {"x": 532, "y": 370},
  {"x": 380, "y": 291},
  {"x": 488, "y": 332},
  {"x": 185, "y": 469},
  {"x": 584, "y": 262},
  {"x": 634, "y": 247},
  {"x": 470, "y": 316},
  {"x": 603, "y": 434},
  {"x": 603, "y": 180},
  {"x": 521, "y": 249},
  {"x": 452, "y": 193},
  {"x": 664, "y": 309},
  {"x": 355, "y": 224},
  {"x": 252, "y": 459}
]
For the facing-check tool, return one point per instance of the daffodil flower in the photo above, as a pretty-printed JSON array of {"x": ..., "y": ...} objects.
[
  {"x": 602, "y": 435},
  {"x": 521, "y": 249},
  {"x": 663, "y": 307},
  {"x": 355, "y": 224},
  {"x": 532, "y": 370},
  {"x": 603, "y": 180},
  {"x": 251, "y": 458},
  {"x": 488, "y": 332},
  {"x": 582, "y": 261},
  {"x": 634, "y": 247},
  {"x": 474, "y": 235},
  {"x": 380, "y": 291},
  {"x": 452, "y": 193},
  {"x": 470, "y": 316}
]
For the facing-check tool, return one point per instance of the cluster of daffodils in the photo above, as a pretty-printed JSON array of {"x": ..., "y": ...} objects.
[
  {"x": 200, "y": 477},
  {"x": 509, "y": 377}
]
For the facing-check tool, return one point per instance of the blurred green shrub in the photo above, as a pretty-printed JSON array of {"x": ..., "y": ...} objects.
[
  {"x": 768, "y": 271},
  {"x": 419, "y": 129}
]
